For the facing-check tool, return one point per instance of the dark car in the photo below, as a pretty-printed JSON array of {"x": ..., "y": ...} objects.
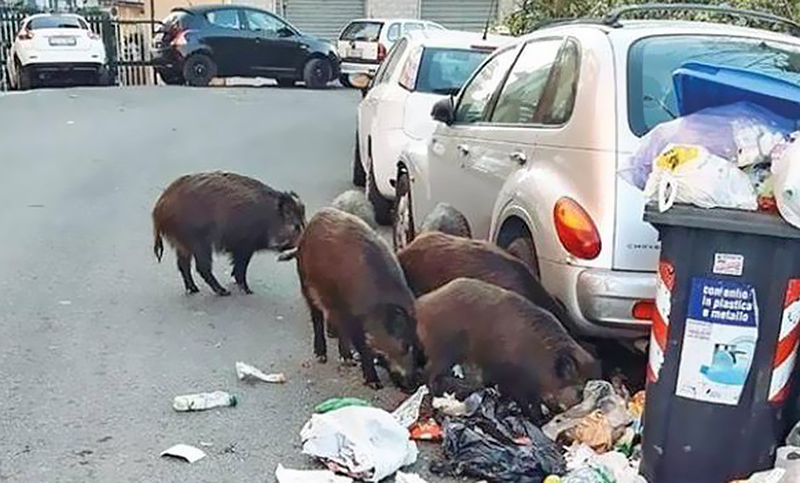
[{"x": 196, "y": 44}]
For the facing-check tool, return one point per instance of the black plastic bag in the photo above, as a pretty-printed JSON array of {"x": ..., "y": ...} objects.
[{"x": 495, "y": 442}]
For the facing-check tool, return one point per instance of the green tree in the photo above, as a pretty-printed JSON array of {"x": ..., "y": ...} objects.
[{"x": 532, "y": 12}]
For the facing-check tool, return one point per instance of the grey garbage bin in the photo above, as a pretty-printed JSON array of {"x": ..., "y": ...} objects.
[{"x": 723, "y": 344}]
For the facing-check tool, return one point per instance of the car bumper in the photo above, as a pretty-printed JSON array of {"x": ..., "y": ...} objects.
[
  {"x": 601, "y": 301},
  {"x": 352, "y": 68},
  {"x": 48, "y": 70},
  {"x": 166, "y": 59}
]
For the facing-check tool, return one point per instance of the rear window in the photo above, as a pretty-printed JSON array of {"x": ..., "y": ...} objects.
[
  {"x": 444, "y": 71},
  {"x": 57, "y": 22},
  {"x": 652, "y": 60},
  {"x": 362, "y": 31}
]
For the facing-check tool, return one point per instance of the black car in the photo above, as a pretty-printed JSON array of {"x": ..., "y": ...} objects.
[{"x": 196, "y": 44}]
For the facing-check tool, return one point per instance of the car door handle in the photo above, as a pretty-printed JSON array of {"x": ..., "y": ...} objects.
[
  {"x": 463, "y": 149},
  {"x": 518, "y": 157}
]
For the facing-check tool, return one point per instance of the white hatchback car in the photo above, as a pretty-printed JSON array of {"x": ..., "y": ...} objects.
[
  {"x": 529, "y": 151},
  {"x": 422, "y": 68},
  {"x": 56, "y": 45},
  {"x": 365, "y": 42}
]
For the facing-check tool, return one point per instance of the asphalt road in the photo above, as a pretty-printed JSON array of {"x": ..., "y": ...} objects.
[{"x": 96, "y": 338}]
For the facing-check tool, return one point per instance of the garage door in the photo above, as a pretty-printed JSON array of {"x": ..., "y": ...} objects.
[
  {"x": 322, "y": 18},
  {"x": 469, "y": 15}
]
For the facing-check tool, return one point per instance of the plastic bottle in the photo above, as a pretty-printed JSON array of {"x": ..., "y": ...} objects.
[{"x": 199, "y": 402}]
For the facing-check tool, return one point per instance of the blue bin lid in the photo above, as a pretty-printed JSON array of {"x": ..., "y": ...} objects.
[{"x": 700, "y": 85}]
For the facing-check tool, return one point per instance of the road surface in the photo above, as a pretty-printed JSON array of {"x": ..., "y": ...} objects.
[{"x": 96, "y": 337}]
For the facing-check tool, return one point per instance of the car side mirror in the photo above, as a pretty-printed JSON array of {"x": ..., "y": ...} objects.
[{"x": 444, "y": 111}]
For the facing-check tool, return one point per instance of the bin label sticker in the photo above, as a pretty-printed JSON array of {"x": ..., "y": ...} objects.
[
  {"x": 719, "y": 341},
  {"x": 786, "y": 348},
  {"x": 665, "y": 283},
  {"x": 728, "y": 264}
]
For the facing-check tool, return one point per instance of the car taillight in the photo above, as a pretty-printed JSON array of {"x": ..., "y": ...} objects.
[
  {"x": 643, "y": 310},
  {"x": 576, "y": 230},
  {"x": 381, "y": 52},
  {"x": 25, "y": 35}
]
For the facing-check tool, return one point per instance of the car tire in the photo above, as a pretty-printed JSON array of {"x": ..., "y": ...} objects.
[
  {"x": 172, "y": 78},
  {"x": 286, "y": 82},
  {"x": 24, "y": 79},
  {"x": 344, "y": 80},
  {"x": 523, "y": 248},
  {"x": 359, "y": 176},
  {"x": 317, "y": 73},
  {"x": 382, "y": 206},
  {"x": 199, "y": 70},
  {"x": 403, "y": 231}
]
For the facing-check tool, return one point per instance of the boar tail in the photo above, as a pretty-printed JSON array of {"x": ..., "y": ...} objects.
[{"x": 158, "y": 246}]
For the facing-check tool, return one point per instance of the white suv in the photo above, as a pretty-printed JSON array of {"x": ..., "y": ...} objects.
[
  {"x": 529, "y": 152},
  {"x": 422, "y": 68}
]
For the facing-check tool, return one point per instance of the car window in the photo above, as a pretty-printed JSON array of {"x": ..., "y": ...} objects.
[
  {"x": 226, "y": 18},
  {"x": 362, "y": 31},
  {"x": 558, "y": 100},
  {"x": 390, "y": 62},
  {"x": 410, "y": 26},
  {"x": 393, "y": 33},
  {"x": 652, "y": 61},
  {"x": 477, "y": 94},
  {"x": 444, "y": 71},
  {"x": 519, "y": 98},
  {"x": 57, "y": 22},
  {"x": 263, "y": 22},
  {"x": 433, "y": 26}
]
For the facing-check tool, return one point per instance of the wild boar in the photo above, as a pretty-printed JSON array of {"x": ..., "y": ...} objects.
[
  {"x": 356, "y": 203},
  {"x": 446, "y": 219},
  {"x": 203, "y": 213},
  {"x": 352, "y": 281},
  {"x": 435, "y": 258},
  {"x": 511, "y": 342}
]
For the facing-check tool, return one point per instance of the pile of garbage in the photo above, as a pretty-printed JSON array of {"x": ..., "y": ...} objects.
[{"x": 738, "y": 156}]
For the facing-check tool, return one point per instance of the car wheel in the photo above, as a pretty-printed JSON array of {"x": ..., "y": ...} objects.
[
  {"x": 24, "y": 78},
  {"x": 403, "y": 231},
  {"x": 286, "y": 82},
  {"x": 317, "y": 73},
  {"x": 522, "y": 247},
  {"x": 172, "y": 78},
  {"x": 199, "y": 70},
  {"x": 359, "y": 176},
  {"x": 382, "y": 206},
  {"x": 344, "y": 80}
]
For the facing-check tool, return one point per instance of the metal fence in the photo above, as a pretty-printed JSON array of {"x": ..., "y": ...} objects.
[{"x": 127, "y": 45}]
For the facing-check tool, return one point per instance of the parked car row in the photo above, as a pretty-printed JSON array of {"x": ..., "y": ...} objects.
[{"x": 529, "y": 147}]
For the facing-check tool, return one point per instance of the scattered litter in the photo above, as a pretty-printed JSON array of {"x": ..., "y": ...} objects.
[
  {"x": 190, "y": 454},
  {"x": 363, "y": 442},
  {"x": 250, "y": 373},
  {"x": 285, "y": 475},
  {"x": 205, "y": 444},
  {"x": 593, "y": 430},
  {"x": 775, "y": 475},
  {"x": 494, "y": 441},
  {"x": 65, "y": 302},
  {"x": 785, "y": 183},
  {"x": 338, "y": 403},
  {"x": 200, "y": 402},
  {"x": 280, "y": 317},
  {"x": 426, "y": 431},
  {"x": 70, "y": 123},
  {"x": 458, "y": 371},
  {"x": 449, "y": 405},
  {"x": 407, "y": 413},
  {"x": 636, "y": 410},
  {"x": 788, "y": 458},
  {"x": 585, "y": 466},
  {"x": 408, "y": 478}
]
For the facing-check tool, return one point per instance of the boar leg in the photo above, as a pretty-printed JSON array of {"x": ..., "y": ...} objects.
[
  {"x": 185, "y": 267},
  {"x": 355, "y": 333},
  {"x": 202, "y": 259},
  {"x": 317, "y": 322},
  {"x": 240, "y": 262}
]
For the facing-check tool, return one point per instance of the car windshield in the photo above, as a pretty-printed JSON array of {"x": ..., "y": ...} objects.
[
  {"x": 57, "y": 22},
  {"x": 652, "y": 60},
  {"x": 444, "y": 71},
  {"x": 362, "y": 31}
]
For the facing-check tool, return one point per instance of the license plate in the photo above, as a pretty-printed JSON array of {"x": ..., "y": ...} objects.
[{"x": 59, "y": 41}]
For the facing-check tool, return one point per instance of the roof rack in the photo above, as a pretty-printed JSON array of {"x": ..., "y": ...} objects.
[{"x": 613, "y": 17}]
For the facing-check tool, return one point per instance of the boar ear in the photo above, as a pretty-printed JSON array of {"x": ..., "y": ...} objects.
[{"x": 566, "y": 366}]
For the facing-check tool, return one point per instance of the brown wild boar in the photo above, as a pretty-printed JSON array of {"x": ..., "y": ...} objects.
[
  {"x": 356, "y": 203},
  {"x": 446, "y": 219},
  {"x": 352, "y": 281},
  {"x": 435, "y": 258},
  {"x": 203, "y": 213},
  {"x": 511, "y": 342}
]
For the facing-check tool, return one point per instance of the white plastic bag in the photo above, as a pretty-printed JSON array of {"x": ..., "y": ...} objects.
[
  {"x": 786, "y": 181},
  {"x": 691, "y": 174},
  {"x": 363, "y": 442}
]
